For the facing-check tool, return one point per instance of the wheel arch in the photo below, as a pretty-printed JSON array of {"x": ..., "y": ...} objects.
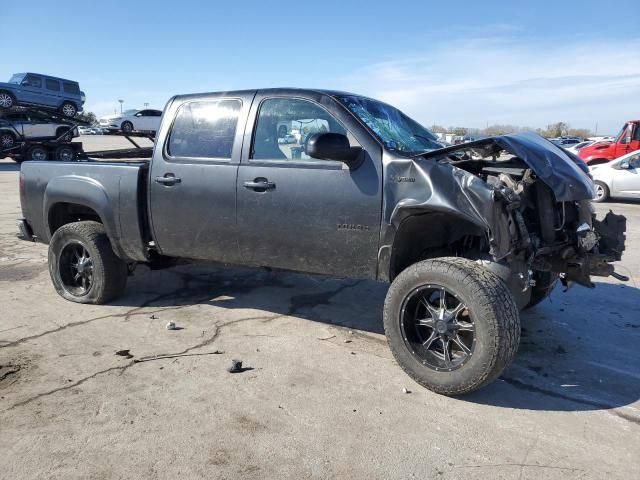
[
  {"x": 70, "y": 199},
  {"x": 423, "y": 235}
]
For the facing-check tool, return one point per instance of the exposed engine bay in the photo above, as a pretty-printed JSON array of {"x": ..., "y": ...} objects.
[{"x": 547, "y": 222}]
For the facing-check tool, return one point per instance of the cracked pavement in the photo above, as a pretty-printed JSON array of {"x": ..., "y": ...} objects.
[{"x": 324, "y": 398}]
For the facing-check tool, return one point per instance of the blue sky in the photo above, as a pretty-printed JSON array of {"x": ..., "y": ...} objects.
[{"x": 467, "y": 64}]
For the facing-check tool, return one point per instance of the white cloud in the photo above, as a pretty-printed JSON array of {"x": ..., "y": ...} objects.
[{"x": 473, "y": 82}]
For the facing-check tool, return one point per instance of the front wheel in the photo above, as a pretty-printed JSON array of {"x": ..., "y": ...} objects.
[
  {"x": 6, "y": 100},
  {"x": 7, "y": 141},
  {"x": 451, "y": 324},
  {"x": 602, "y": 192},
  {"x": 83, "y": 266}
]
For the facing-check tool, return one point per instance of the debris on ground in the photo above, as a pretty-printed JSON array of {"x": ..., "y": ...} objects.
[
  {"x": 171, "y": 326},
  {"x": 236, "y": 367},
  {"x": 153, "y": 317},
  {"x": 347, "y": 341},
  {"x": 124, "y": 353},
  {"x": 327, "y": 338},
  {"x": 405, "y": 390}
]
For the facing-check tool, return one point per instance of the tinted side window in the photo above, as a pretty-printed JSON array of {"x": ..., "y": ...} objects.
[
  {"x": 71, "y": 88},
  {"x": 204, "y": 129},
  {"x": 285, "y": 124},
  {"x": 33, "y": 81},
  {"x": 52, "y": 85}
]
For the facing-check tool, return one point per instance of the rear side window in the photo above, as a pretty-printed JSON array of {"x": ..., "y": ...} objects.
[
  {"x": 204, "y": 129},
  {"x": 71, "y": 88},
  {"x": 52, "y": 85}
]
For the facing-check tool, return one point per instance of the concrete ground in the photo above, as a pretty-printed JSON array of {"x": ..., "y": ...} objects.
[{"x": 322, "y": 397}]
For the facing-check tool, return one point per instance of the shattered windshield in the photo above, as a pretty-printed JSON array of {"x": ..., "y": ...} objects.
[{"x": 396, "y": 131}]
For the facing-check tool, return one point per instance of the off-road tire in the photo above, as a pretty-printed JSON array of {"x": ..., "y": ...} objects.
[
  {"x": 126, "y": 127},
  {"x": 605, "y": 192},
  {"x": 545, "y": 283},
  {"x": 109, "y": 271},
  {"x": 491, "y": 305}
]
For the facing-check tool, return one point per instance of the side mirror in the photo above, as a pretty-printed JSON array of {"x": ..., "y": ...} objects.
[
  {"x": 625, "y": 165},
  {"x": 333, "y": 146}
]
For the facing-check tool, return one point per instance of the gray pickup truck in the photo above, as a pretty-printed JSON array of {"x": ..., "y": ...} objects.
[{"x": 467, "y": 235}]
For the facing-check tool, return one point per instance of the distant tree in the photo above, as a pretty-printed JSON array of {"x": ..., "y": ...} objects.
[
  {"x": 580, "y": 132},
  {"x": 460, "y": 131},
  {"x": 89, "y": 117},
  {"x": 557, "y": 129},
  {"x": 438, "y": 129}
]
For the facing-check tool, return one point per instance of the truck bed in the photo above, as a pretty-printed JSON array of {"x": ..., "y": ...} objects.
[{"x": 115, "y": 191}]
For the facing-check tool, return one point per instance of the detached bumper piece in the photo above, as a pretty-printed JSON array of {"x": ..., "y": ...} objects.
[{"x": 24, "y": 230}]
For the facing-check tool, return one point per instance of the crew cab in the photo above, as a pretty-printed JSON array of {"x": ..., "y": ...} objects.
[
  {"x": 35, "y": 89},
  {"x": 627, "y": 141},
  {"x": 467, "y": 234}
]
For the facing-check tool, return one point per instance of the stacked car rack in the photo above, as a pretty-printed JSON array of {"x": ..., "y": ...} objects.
[{"x": 63, "y": 148}]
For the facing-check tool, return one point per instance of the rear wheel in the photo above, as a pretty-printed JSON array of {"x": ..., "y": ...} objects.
[
  {"x": 126, "y": 127},
  {"x": 68, "y": 109},
  {"x": 37, "y": 152},
  {"x": 83, "y": 266},
  {"x": 65, "y": 153},
  {"x": 68, "y": 134},
  {"x": 7, "y": 140},
  {"x": 451, "y": 324},
  {"x": 6, "y": 100},
  {"x": 602, "y": 192}
]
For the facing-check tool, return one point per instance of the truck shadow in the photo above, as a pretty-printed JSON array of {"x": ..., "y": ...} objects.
[{"x": 579, "y": 350}]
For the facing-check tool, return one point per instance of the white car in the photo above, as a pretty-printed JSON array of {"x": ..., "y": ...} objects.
[
  {"x": 619, "y": 178},
  {"x": 578, "y": 146},
  {"x": 133, "y": 120}
]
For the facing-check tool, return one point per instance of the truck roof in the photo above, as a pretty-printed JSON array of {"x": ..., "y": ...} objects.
[
  {"x": 280, "y": 90},
  {"x": 47, "y": 76}
]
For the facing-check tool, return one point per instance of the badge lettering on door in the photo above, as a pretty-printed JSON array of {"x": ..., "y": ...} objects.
[
  {"x": 351, "y": 226},
  {"x": 400, "y": 179}
]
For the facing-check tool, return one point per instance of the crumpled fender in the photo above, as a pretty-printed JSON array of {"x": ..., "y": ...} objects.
[
  {"x": 417, "y": 186},
  {"x": 566, "y": 174}
]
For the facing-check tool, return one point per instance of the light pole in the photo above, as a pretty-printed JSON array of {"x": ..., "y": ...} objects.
[
  {"x": 121, "y": 102},
  {"x": 146, "y": 104}
]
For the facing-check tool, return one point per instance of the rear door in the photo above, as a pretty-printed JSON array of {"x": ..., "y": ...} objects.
[
  {"x": 52, "y": 92},
  {"x": 299, "y": 213},
  {"x": 192, "y": 185}
]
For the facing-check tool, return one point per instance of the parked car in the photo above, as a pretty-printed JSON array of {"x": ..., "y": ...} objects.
[
  {"x": 86, "y": 131},
  {"x": 133, "y": 120},
  {"x": 617, "y": 179},
  {"x": 464, "y": 241},
  {"x": 578, "y": 146},
  {"x": 17, "y": 126},
  {"x": 42, "y": 91},
  {"x": 628, "y": 140}
]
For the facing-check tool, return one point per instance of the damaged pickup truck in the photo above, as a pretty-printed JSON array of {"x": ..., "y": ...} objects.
[{"x": 343, "y": 185}]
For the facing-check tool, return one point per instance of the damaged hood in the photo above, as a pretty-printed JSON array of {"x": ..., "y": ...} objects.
[{"x": 566, "y": 174}]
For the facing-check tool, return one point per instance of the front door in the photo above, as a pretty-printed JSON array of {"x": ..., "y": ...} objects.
[
  {"x": 299, "y": 213},
  {"x": 192, "y": 185},
  {"x": 626, "y": 181},
  {"x": 33, "y": 90}
]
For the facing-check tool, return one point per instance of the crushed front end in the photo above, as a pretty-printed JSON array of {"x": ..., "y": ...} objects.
[{"x": 542, "y": 218}]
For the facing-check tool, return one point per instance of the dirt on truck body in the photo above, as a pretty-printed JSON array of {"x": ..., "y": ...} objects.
[{"x": 338, "y": 184}]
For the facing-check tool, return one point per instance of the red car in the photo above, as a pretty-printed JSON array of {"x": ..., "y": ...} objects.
[{"x": 628, "y": 140}]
